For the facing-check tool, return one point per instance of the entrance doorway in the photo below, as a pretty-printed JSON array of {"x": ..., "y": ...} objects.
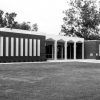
[
  {"x": 49, "y": 49},
  {"x": 70, "y": 50},
  {"x": 78, "y": 50},
  {"x": 60, "y": 50}
]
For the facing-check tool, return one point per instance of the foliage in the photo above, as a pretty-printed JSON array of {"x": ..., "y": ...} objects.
[
  {"x": 8, "y": 20},
  {"x": 82, "y": 19},
  {"x": 23, "y": 26},
  {"x": 34, "y": 27},
  {"x": 1, "y": 18}
]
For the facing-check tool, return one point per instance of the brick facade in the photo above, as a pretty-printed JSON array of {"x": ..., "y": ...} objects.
[
  {"x": 91, "y": 49},
  {"x": 21, "y": 58}
]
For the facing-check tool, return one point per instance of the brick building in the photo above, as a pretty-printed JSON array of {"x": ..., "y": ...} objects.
[{"x": 25, "y": 46}]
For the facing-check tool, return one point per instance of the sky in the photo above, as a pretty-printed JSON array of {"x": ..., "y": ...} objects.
[{"x": 46, "y": 13}]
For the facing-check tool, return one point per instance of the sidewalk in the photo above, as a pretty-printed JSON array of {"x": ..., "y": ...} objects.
[
  {"x": 55, "y": 61},
  {"x": 77, "y": 60}
]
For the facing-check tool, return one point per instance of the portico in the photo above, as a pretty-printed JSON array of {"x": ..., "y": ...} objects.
[{"x": 62, "y": 47}]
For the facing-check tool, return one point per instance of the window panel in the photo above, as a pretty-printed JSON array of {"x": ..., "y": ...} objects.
[
  {"x": 12, "y": 46},
  {"x": 7, "y": 46},
  {"x": 34, "y": 47},
  {"x": 17, "y": 46},
  {"x": 38, "y": 47},
  {"x": 1, "y": 46},
  {"x": 30, "y": 47},
  {"x": 26, "y": 47},
  {"x": 21, "y": 47}
]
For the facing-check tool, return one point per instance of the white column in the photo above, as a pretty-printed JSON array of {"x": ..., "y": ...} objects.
[
  {"x": 74, "y": 50},
  {"x": 62, "y": 51},
  {"x": 55, "y": 50},
  {"x": 83, "y": 50},
  {"x": 52, "y": 52},
  {"x": 65, "y": 46}
]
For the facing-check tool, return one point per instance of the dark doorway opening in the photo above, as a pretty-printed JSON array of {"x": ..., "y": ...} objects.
[
  {"x": 49, "y": 49},
  {"x": 78, "y": 50},
  {"x": 70, "y": 50},
  {"x": 60, "y": 50}
]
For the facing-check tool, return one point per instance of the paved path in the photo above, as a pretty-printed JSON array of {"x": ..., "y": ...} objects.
[
  {"x": 79, "y": 60},
  {"x": 55, "y": 61}
]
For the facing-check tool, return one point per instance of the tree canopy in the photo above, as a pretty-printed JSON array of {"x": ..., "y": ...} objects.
[
  {"x": 8, "y": 20},
  {"x": 82, "y": 19}
]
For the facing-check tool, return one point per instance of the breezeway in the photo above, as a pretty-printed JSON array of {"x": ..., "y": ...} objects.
[{"x": 61, "y": 47}]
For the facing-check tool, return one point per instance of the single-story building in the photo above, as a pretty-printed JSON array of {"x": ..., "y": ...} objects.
[
  {"x": 19, "y": 45},
  {"x": 25, "y": 46},
  {"x": 63, "y": 47}
]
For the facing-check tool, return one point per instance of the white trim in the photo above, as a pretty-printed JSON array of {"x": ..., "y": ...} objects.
[
  {"x": 34, "y": 47},
  {"x": 26, "y": 47},
  {"x": 38, "y": 47},
  {"x": 21, "y": 31},
  {"x": 12, "y": 46},
  {"x": 30, "y": 47},
  {"x": 21, "y": 47},
  {"x": 7, "y": 46},
  {"x": 74, "y": 50},
  {"x": 17, "y": 46},
  {"x": 65, "y": 47},
  {"x": 55, "y": 50},
  {"x": 1, "y": 46}
]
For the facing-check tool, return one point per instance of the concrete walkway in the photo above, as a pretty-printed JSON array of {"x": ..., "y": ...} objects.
[
  {"x": 55, "y": 61},
  {"x": 78, "y": 60}
]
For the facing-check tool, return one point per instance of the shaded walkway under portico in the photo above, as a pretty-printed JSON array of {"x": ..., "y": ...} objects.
[{"x": 64, "y": 48}]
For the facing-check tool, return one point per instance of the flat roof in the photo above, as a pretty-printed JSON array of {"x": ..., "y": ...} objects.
[
  {"x": 21, "y": 31},
  {"x": 48, "y": 36},
  {"x": 64, "y": 38}
]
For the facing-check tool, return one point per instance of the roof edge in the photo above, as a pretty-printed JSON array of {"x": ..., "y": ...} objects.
[{"x": 21, "y": 31}]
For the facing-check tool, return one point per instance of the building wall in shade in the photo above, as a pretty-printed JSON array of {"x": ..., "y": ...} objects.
[
  {"x": 98, "y": 49},
  {"x": 92, "y": 49},
  {"x": 21, "y": 47}
]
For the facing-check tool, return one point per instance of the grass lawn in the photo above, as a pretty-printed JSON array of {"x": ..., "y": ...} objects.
[{"x": 52, "y": 81}]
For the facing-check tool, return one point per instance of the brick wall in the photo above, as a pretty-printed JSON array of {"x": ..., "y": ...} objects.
[
  {"x": 20, "y": 36},
  {"x": 90, "y": 49}
]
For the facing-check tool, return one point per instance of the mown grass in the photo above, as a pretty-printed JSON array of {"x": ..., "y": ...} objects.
[{"x": 50, "y": 81}]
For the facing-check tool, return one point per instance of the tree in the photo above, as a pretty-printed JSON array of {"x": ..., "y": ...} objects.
[
  {"x": 24, "y": 26},
  {"x": 1, "y": 18},
  {"x": 82, "y": 19},
  {"x": 9, "y": 19},
  {"x": 34, "y": 27}
]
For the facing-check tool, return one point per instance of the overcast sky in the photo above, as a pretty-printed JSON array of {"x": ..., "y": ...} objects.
[{"x": 46, "y": 13}]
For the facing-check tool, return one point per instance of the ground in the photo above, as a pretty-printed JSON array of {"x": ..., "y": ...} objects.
[{"x": 50, "y": 81}]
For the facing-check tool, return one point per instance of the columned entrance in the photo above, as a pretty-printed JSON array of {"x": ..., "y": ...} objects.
[{"x": 64, "y": 48}]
